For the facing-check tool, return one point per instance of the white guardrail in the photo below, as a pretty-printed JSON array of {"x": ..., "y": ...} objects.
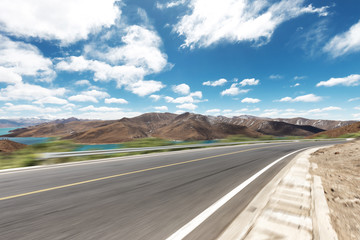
[{"x": 45, "y": 156}]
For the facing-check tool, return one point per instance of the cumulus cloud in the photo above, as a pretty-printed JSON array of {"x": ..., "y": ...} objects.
[
  {"x": 9, "y": 107},
  {"x": 139, "y": 56},
  {"x": 351, "y": 80},
  {"x": 143, "y": 88},
  {"x": 8, "y": 76},
  {"x": 91, "y": 108},
  {"x": 250, "y": 82},
  {"x": 233, "y": 90},
  {"x": 345, "y": 43},
  {"x": 67, "y": 21},
  {"x": 216, "y": 83},
  {"x": 215, "y": 110},
  {"x": 141, "y": 49},
  {"x": 193, "y": 97},
  {"x": 161, "y": 108},
  {"x": 250, "y": 100},
  {"x": 116, "y": 100},
  {"x": 189, "y": 106},
  {"x": 304, "y": 98},
  {"x": 89, "y": 96},
  {"x": 210, "y": 22},
  {"x": 83, "y": 82},
  {"x": 172, "y": 4},
  {"x": 52, "y": 100},
  {"x": 155, "y": 97},
  {"x": 183, "y": 89},
  {"x": 29, "y": 92},
  {"x": 320, "y": 110},
  {"x": 25, "y": 59}
]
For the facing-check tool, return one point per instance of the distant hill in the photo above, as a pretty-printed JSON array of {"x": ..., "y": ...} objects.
[
  {"x": 186, "y": 126},
  {"x": 21, "y": 122},
  {"x": 7, "y": 146},
  {"x": 337, "y": 132}
]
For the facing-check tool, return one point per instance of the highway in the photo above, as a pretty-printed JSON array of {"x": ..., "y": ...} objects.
[{"x": 147, "y": 197}]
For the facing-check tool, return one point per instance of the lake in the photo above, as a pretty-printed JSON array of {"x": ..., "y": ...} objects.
[{"x": 23, "y": 140}]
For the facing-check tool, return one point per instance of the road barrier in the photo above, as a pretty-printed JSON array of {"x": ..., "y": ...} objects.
[{"x": 45, "y": 156}]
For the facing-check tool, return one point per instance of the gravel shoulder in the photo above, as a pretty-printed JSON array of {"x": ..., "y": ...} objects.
[{"x": 339, "y": 169}]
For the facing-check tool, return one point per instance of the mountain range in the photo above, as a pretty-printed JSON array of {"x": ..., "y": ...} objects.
[{"x": 186, "y": 126}]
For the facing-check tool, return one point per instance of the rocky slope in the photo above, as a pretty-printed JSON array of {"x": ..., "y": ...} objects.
[
  {"x": 337, "y": 132},
  {"x": 7, "y": 146},
  {"x": 187, "y": 126}
]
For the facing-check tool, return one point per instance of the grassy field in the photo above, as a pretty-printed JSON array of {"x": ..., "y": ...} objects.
[{"x": 30, "y": 155}]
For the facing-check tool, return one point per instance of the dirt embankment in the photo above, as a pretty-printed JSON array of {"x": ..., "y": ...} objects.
[
  {"x": 339, "y": 169},
  {"x": 7, "y": 146}
]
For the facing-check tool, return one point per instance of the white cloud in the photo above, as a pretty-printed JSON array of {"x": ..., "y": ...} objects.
[
  {"x": 83, "y": 98},
  {"x": 215, "y": 110},
  {"x": 155, "y": 97},
  {"x": 296, "y": 85},
  {"x": 141, "y": 49},
  {"x": 83, "y": 83},
  {"x": 234, "y": 90},
  {"x": 351, "y": 80},
  {"x": 320, "y": 110},
  {"x": 179, "y": 112},
  {"x": 116, "y": 100},
  {"x": 127, "y": 65},
  {"x": 25, "y": 59},
  {"x": 51, "y": 100},
  {"x": 250, "y": 82},
  {"x": 299, "y": 77},
  {"x": 189, "y": 106},
  {"x": 143, "y": 88},
  {"x": 354, "y": 99},
  {"x": 210, "y": 22},
  {"x": 8, "y": 76},
  {"x": 29, "y": 92},
  {"x": 96, "y": 93},
  {"x": 219, "y": 82},
  {"x": 193, "y": 97},
  {"x": 9, "y": 107},
  {"x": 183, "y": 89},
  {"x": 170, "y": 4},
  {"x": 67, "y": 21},
  {"x": 357, "y": 108},
  {"x": 275, "y": 76},
  {"x": 250, "y": 100},
  {"x": 161, "y": 108},
  {"x": 304, "y": 98},
  {"x": 345, "y": 43},
  {"x": 227, "y": 110},
  {"x": 91, "y": 108}
]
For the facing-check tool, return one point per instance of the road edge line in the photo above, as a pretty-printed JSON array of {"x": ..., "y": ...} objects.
[{"x": 195, "y": 222}]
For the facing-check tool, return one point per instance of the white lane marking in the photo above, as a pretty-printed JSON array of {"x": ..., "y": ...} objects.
[{"x": 194, "y": 223}]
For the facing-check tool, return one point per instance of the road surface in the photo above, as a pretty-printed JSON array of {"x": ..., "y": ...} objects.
[{"x": 142, "y": 197}]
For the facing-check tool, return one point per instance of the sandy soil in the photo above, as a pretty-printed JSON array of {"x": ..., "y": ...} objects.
[
  {"x": 339, "y": 169},
  {"x": 7, "y": 146}
]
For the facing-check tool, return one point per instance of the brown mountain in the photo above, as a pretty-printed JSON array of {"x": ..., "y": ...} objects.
[
  {"x": 7, "y": 146},
  {"x": 337, "y": 132},
  {"x": 187, "y": 126}
]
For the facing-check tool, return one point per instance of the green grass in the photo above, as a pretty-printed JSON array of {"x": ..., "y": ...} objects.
[
  {"x": 351, "y": 135},
  {"x": 30, "y": 155}
]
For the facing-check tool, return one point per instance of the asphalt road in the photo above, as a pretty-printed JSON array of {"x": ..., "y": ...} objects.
[{"x": 143, "y": 197}]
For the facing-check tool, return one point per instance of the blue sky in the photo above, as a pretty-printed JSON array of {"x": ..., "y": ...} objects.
[{"x": 110, "y": 59}]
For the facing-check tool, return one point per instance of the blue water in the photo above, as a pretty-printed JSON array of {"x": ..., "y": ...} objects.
[
  {"x": 23, "y": 140},
  {"x": 98, "y": 147},
  {"x": 5, "y": 130}
]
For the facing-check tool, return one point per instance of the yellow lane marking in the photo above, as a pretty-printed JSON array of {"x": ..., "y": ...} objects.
[{"x": 128, "y": 173}]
